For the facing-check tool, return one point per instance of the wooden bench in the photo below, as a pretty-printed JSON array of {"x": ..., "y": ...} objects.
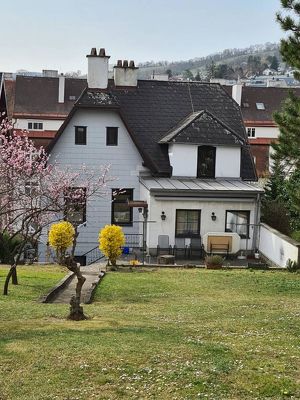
[{"x": 219, "y": 248}]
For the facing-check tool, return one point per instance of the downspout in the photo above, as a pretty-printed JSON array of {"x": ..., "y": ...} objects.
[{"x": 255, "y": 242}]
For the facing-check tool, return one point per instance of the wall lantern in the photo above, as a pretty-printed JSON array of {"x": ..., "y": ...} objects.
[
  {"x": 213, "y": 216},
  {"x": 163, "y": 216}
]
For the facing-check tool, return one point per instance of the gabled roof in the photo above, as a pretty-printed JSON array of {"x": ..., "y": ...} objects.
[
  {"x": 271, "y": 97},
  {"x": 153, "y": 108},
  {"x": 38, "y": 96},
  {"x": 97, "y": 98},
  {"x": 202, "y": 127}
]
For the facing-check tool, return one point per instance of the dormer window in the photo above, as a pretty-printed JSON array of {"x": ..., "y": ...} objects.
[{"x": 206, "y": 162}]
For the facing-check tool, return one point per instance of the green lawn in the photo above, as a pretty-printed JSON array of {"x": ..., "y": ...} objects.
[{"x": 165, "y": 334}]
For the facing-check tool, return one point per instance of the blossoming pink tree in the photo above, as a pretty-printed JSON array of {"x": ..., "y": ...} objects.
[{"x": 35, "y": 193}]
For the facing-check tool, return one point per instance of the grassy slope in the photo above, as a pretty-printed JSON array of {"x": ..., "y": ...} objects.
[{"x": 182, "y": 334}]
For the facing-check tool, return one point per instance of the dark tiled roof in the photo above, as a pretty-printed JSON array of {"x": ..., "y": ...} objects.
[
  {"x": 271, "y": 97},
  {"x": 153, "y": 108},
  {"x": 202, "y": 127},
  {"x": 39, "y": 95},
  {"x": 10, "y": 86},
  {"x": 98, "y": 98}
]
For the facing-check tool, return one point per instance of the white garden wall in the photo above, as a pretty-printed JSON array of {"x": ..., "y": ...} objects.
[{"x": 276, "y": 247}]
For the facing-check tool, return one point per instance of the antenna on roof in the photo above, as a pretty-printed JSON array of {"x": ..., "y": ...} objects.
[{"x": 189, "y": 89}]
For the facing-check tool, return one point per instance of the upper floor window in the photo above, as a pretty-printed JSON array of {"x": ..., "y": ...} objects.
[
  {"x": 111, "y": 136},
  {"x": 121, "y": 213},
  {"x": 251, "y": 132},
  {"x": 206, "y": 162},
  {"x": 238, "y": 221},
  {"x": 80, "y": 135},
  {"x": 35, "y": 126},
  {"x": 187, "y": 223}
]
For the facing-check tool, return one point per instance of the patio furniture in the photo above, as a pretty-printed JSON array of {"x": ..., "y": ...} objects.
[
  {"x": 180, "y": 248},
  {"x": 219, "y": 245},
  {"x": 163, "y": 246},
  {"x": 196, "y": 248}
]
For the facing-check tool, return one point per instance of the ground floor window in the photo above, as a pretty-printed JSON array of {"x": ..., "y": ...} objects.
[
  {"x": 187, "y": 223},
  {"x": 121, "y": 213},
  {"x": 238, "y": 221},
  {"x": 75, "y": 205}
]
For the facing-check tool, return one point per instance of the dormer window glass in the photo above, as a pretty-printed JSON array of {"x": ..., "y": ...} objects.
[{"x": 206, "y": 162}]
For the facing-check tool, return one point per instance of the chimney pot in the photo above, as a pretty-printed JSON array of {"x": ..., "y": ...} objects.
[
  {"x": 94, "y": 51},
  {"x": 131, "y": 64},
  {"x": 125, "y": 64},
  {"x": 119, "y": 63},
  {"x": 102, "y": 52}
]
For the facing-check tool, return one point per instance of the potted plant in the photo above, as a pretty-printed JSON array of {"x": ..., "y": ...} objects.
[{"x": 214, "y": 262}]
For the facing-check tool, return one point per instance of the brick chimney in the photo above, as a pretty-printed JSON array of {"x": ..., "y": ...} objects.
[
  {"x": 97, "y": 69},
  {"x": 125, "y": 74}
]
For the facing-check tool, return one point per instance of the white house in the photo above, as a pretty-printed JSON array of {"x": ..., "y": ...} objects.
[{"x": 179, "y": 147}]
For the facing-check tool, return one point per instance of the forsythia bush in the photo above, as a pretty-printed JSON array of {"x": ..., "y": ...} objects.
[
  {"x": 61, "y": 236},
  {"x": 111, "y": 239}
]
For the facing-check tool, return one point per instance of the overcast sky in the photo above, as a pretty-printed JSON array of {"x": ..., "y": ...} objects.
[{"x": 57, "y": 34}]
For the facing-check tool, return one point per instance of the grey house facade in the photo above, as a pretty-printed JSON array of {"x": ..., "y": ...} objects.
[{"x": 181, "y": 147}]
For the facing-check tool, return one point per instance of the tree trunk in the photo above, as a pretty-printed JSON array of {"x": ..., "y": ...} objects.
[
  {"x": 12, "y": 273},
  {"x": 76, "y": 311},
  {"x": 14, "y": 277}
]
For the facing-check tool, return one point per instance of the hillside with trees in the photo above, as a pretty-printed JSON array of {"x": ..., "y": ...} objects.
[{"x": 229, "y": 64}]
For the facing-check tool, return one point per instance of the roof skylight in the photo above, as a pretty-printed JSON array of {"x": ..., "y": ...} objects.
[{"x": 260, "y": 106}]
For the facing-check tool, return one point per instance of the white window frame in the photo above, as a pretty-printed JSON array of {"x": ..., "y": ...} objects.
[
  {"x": 35, "y": 122},
  {"x": 251, "y": 132}
]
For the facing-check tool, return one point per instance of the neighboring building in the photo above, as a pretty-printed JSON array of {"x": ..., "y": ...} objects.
[
  {"x": 3, "y": 105},
  {"x": 258, "y": 105},
  {"x": 41, "y": 104},
  {"x": 286, "y": 80},
  {"x": 159, "y": 77},
  {"x": 179, "y": 146}
]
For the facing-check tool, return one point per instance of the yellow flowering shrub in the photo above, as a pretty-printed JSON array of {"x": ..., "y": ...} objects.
[
  {"x": 111, "y": 239},
  {"x": 61, "y": 236}
]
